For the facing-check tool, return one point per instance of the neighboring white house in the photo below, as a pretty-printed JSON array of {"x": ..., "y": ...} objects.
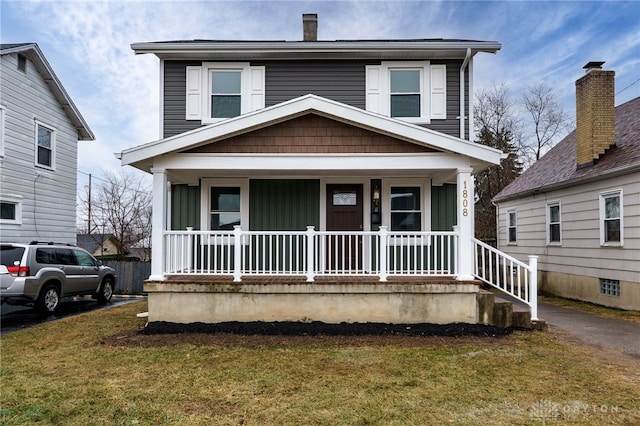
[
  {"x": 39, "y": 132},
  {"x": 579, "y": 205}
]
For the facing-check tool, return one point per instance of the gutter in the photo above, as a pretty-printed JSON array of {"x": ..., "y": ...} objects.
[{"x": 462, "y": 115}]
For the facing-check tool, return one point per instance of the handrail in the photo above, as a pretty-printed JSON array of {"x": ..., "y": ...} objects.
[{"x": 508, "y": 274}]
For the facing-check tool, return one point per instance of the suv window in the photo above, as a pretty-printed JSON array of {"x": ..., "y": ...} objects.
[
  {"x": 46, "y": 256},
  {"x": 65, "y": 257},
  {"x": 84, "y": 258},
  {"x": 9, "y": 255}
]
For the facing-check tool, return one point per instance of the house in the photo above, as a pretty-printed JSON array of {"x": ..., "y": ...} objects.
[
  {"x": 39, "y": 132},
  {"x": 102, "y": 245},
  {"x": 315, "y": 180},
  {"x": 579, "y": 205}
]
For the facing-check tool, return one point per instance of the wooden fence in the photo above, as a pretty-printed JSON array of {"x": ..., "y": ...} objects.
[{"x": 131, "y": 275}]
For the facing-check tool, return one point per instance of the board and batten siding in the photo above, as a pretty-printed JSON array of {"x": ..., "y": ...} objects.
[
  {"x": 284, "y": 204},
  {"x": 340, "y": 81},
  {"x": 580, "y": 252},
  {"x": 443, "y": 207},
  {"x": 48, "y": 197},
  {"x": 185, "y": 207}
]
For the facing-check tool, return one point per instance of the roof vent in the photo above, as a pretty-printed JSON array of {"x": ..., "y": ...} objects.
[{"x": 310, "y": 26}]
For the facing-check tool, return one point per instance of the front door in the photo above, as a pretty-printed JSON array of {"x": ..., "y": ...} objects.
[{"x": 344, "y": 213}]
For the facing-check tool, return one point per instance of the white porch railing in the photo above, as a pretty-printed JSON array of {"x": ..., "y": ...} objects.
[
  {"x": 311, "y": 253},
  {"x": 508, "y": 274}
]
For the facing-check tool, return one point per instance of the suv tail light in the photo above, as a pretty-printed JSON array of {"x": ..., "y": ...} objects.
[{"x": 18, "y": 271}]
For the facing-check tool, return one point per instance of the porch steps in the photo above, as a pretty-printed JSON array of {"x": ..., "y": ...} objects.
[{"x": 501, "y": 310}]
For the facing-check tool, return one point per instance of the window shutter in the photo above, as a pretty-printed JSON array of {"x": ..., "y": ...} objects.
[
  {"x": 374, "y": 88},
  {"x": 193, "y": 104},
  {"x": 256, "y": 88},
  {"x": 438, "y": 91}
]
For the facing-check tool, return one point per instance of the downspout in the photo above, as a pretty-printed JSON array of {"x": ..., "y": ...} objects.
[{"x": 462, "y": 68}]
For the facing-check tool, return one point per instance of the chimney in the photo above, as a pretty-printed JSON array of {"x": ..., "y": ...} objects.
[
  {"x": 310, "y": 26},
  {"x": 595, "y": 113}
]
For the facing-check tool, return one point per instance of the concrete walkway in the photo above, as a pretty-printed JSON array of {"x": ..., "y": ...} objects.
[{"x": 601, "y": 332}]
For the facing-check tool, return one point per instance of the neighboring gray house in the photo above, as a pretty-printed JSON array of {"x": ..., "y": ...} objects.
[
  {"x": 39, "y": 132},
  {"x": 579, "y": 205},
  {"x": 329, "y": 180}
]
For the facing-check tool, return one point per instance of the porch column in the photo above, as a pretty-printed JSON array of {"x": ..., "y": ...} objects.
[
  {"x": 158, "y": 222},
  {"x": 465, "y": 224}
]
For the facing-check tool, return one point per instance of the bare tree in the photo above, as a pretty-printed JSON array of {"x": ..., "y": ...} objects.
[
  {"x": 121, "y": 205},
  {"x": 549, "y": 122},
  {"x": 497, "y": 126}
]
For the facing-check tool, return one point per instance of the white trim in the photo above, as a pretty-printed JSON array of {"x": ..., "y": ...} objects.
[
  {"x": 265, "y": 117},
  {"x": 3, "y": 112},
  {"x": 205, "y": 202},
  {"x": 161, "y": 99},
  {"x": 38, "y": 123},
  {"x": 17, "y": 201},
  {"x": 548, "y": 222},
  {"x": 601, "y": 218}
]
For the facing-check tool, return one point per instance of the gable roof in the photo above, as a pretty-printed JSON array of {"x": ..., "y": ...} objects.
[
  {"x": 414, "y": 49},
  {"x": 557, "y": 168},
  {"x": 33, "y": 52},
  {"x": 142, "y": 155}
]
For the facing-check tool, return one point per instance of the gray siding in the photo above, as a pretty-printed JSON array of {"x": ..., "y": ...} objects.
[
  {"x": 284, "y": 204},
  {"x": 48, "y": 197},
  {"x": 285, "y": 80}
]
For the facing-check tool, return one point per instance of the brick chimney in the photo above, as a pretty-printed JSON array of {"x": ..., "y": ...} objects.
[
  {"x": 310, "y": 26},
  {"x": 595, "y": 113}
]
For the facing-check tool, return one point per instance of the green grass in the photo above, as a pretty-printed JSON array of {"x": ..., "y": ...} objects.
[{"x": 93, "y": 369}]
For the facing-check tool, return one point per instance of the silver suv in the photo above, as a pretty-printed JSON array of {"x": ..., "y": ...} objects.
[{"x": 41, "y": 274}]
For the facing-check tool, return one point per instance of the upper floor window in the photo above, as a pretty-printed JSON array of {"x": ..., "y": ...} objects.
[
  {"x": 611, "y": 218},
  {"x": 22, "y": 63},
  {"x": 219, "y": 90},
  {"x": 412, "y": 91},
  {"x": 45, "y": 145},
  {"x": 554, "y": 231},
  {"x": 512, "y": 226}
]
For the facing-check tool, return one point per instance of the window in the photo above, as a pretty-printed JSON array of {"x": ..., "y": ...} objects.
[
  {"x": 345, "y": 198},
  {"x": 609, "y": 287},
  {"x": 22, "y": 63},
  {"x": 219, "y": 90},
  {"x": 226, "y": 91},
  {"x": 406, "y": 212},
  {"x": 611, "y": 218},
  {"x": 2, "y": 109},
  {"x": 405, "y": 93},
  {"x": 45, "y": 146},
  {"x": 413, "y": 91},
  {"x": 553, "y": 223},
  {"x": 11, "y": 210},
  {"x": 225, "y": 208},
  {"x": 84, "y": 258},
  {"x": 512, "y": 223}
]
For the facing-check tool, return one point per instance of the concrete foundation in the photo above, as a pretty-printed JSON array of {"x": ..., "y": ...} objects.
[
  {"x": 184, "y": 301},
  {"x": 587, "y": 289}
]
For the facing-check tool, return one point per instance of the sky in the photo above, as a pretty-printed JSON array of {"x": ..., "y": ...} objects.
[{"x": 87, "y": 43}]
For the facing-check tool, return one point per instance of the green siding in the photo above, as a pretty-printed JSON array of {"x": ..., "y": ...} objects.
[
  {"x": 443, "y": 207},
  {"x": 284, "y": 204},
  {"x": 185, "y": 207}
]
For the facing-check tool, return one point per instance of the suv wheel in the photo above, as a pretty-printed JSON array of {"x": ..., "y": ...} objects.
[
  {"x": 106, "y": 291},
  {"x": 48, "y": 300}
]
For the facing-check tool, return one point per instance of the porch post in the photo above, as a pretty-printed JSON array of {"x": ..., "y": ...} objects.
[
  {"x": 533, "y": 287},
  {"x": 465, "y": 224},
  {"x": 158, "y": 224},
  {"x": 311, "y": 232},
  {"x": 237, "y": 253},
  {"x": 382, "y": 247}
]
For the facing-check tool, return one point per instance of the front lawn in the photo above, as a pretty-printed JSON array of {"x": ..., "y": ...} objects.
[{"x": 96, "y": 369}]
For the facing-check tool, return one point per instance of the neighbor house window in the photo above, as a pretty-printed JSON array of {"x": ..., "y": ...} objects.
[
  {"x": 226, "y": 93},
  {"x": 512, "y": 226},
  {"x": 406, "y": 208},
  {"x": 609, "y": 287},
  {"x": 554, "y": 230},
  {"x": 2, "y": 113},
  {"x": 22, "y": 63},
  {"x": 45, "y": 145},
  {"x": 225, "y": 208},
  {"x": 11, "y": 210},
  {"x": 611, "y": 218}
]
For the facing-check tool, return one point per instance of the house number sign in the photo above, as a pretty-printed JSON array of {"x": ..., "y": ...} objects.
[{"x": 465, "y": 200}]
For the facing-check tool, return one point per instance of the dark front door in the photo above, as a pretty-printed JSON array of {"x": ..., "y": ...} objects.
[{"x": 344, "y": 213}]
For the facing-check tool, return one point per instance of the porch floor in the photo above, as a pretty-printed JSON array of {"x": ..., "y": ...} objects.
[{"x": 318, "y": 280}]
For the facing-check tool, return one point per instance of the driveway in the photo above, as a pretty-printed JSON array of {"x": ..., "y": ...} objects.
[{"x": 623, "y": 336}]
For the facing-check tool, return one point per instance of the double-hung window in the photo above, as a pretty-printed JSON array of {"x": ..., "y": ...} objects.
[
  {"x": 512, "y": 226},
  {"x": 554, "y": 230},
  {"x": 611, "y": 218},
  {"x": 2, "y": 113},
  {"x": 225, "y": 208},
  {"x": 405, "y": 92},
  {"x": 406, "y": 208},
  {"x": 226, "y": 93},
  {"x": 45, "y": 145}
]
